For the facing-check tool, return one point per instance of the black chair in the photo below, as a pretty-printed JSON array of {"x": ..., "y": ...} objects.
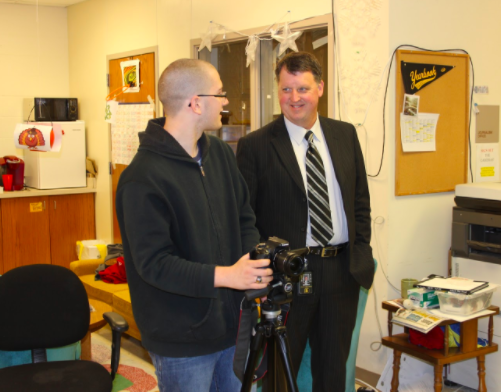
[{"x": 45, "y": 306}]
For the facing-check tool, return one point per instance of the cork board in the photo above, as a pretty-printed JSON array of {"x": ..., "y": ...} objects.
[{"x": 449, "y": 96}]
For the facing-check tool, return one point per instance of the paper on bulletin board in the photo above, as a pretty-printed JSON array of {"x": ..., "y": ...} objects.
[
  {"x": 418, "y": 133},
  {"x": 487, "y": 167},
  {"x": 130, "y": 75},
  {"x": 487, "y": 127},
  {"x": 111, "y": 111},
  {"x": 130, "y": 119},
  {"x": 38, "y": 136}
]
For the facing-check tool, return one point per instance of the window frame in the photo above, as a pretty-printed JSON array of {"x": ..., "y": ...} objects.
[{"x": 255, "y": 69}]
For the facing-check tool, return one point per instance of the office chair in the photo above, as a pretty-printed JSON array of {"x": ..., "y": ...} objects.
[{"x": 45, "y": 306}]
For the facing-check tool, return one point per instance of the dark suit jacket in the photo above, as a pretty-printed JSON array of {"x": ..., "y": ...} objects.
[{"x": 267, "y": 161}]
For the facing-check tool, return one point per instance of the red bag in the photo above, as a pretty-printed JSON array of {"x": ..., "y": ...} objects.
[
  {"x": 115, "y": 273},
  {"x": 431, "y": 340}
]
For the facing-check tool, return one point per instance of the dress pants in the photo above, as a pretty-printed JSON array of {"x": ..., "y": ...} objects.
[{"x": 327, "y": 318}]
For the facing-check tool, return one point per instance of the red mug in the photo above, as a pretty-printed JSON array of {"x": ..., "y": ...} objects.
[{"x": 7, "y": 182}]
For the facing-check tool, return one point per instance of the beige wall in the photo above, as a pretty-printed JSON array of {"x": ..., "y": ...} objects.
[
  {"x": 101, "y": 28},
  {"x": 34, "y": 62},
  {"x": 240, "y": 15}
]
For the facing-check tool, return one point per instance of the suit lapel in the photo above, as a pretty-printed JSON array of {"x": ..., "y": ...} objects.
[
  {"x": 283, "y": 146},
  {"x": 335, "y": 152}
]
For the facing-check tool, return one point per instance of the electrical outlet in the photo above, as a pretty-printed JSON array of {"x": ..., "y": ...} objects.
[{"x": 481, "y": 90}]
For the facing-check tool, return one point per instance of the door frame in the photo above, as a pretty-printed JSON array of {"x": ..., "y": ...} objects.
[{"x": 116, "y": 56}]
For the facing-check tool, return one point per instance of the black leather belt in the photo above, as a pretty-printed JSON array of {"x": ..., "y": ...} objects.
[{"x": 328, "y": 251}]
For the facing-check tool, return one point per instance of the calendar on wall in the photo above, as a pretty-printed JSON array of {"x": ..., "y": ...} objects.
[{"x": 130, "y": 119}]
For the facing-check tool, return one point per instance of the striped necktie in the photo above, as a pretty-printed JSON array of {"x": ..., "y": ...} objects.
[{"x": 318, "y": 195}]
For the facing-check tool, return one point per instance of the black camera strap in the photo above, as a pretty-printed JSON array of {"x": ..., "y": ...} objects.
[{"x": 248, "y": 320}]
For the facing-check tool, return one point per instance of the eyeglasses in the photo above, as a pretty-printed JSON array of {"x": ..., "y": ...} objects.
[{"x": 222, "y": 95}]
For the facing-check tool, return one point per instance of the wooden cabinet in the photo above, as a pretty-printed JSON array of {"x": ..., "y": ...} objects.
[
  {"x": 44, "y": 229},
  {"x": 71, "y": 218},
  {"x": 25, "y": 232}
]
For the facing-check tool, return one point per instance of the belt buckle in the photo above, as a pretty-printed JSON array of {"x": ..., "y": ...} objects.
[{"x": 326, "y": 249}]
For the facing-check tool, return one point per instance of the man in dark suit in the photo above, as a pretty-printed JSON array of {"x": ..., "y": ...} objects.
[{"x": 300, "y": 184}]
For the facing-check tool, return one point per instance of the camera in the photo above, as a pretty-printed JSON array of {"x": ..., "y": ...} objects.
[
  {"x": 287, "y": 266},
  {"x": 282, "y": 259}
]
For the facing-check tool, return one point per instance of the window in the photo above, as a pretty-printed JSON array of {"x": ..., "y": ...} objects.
[
  {"x": 230, "y": 60},
  {"x": 252, "y": 91}
]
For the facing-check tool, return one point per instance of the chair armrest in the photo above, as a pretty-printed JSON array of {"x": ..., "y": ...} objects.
[
  {"x": 116, "y": 321},
  {"x": 85, "y": 267},
  {"x": 118, "y": 325}
]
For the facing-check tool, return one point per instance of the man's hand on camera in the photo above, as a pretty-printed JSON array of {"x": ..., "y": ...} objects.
[{"x": 245, "y": 274}]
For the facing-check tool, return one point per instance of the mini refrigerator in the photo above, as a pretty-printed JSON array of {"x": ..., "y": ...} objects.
[{"x": 63, "y": 169}]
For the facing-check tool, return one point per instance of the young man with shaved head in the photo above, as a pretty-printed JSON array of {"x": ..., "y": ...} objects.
[{"x": 187, "y": 227}]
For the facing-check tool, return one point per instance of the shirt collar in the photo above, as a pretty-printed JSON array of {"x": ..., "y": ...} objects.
[{"x": 297, "y": 133}]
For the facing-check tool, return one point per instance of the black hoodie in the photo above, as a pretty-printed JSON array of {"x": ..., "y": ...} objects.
[{"x": 178, "y": 220}]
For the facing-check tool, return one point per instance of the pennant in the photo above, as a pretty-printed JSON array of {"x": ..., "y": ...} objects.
[{"x": 417, "y": 76}]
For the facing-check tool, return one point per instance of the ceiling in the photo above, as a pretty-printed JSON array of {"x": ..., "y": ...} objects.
[{"x": 52, "y": 3}]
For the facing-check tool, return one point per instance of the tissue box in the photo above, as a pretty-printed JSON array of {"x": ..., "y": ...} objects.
[
  {"x": 91, "y": 249},
  {"x": 423, "y": 298}
]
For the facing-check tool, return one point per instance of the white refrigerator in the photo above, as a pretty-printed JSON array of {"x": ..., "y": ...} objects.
[{"x": 63, "y": 169}]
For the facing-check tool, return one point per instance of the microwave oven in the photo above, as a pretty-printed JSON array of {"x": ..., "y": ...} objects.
[{"x": 50, "y": 109}]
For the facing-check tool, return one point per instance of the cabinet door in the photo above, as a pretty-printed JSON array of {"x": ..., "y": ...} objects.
[
  {"x": 1, "y": 241},
  {"x": 25, "y": 232},
  {"x": 71, "y": 219}
]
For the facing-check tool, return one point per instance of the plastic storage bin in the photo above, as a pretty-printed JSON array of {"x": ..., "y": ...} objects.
[{"x": 465, "y": 304}]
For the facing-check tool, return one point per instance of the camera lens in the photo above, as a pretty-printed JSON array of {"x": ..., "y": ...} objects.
[
  {"x": 289, "y": 263},
  {"x": 294, "y": 266}
]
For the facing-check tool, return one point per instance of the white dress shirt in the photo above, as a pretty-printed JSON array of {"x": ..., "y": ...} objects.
[{"x": 300, "y": 145}]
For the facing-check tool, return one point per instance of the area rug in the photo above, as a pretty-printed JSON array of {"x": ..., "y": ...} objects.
[{"x": 134, "y": 374}]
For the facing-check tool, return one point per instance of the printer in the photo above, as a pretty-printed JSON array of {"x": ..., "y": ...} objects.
[
  {"x": 476, "y": 222},
  {"x": 476, "y": 254}
]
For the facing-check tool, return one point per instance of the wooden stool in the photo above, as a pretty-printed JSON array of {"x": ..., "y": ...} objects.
[{"x": 438, "y": 358}]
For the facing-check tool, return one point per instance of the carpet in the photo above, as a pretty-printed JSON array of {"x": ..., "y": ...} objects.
[{"x": 134, "y": 374}]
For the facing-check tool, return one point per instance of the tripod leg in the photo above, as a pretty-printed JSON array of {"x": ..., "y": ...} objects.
[
  {"x": 270, "y": 374},
  {"x": 283, "y": 345},
  {"x": 256, "y": 344}
]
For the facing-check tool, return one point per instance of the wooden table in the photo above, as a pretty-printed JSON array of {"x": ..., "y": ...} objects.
[
  {"x": 96, "y": 322},
  {"x": 438, "y": 358}
]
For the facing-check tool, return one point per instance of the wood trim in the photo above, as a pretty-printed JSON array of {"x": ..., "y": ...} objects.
[
  {"x": 401, "y": 342},
  {"x": 1, "y": 243},
  {"x": 367, "y": 377}
]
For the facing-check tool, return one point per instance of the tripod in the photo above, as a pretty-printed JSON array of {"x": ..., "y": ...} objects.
[{"x": 271, "y": 331}]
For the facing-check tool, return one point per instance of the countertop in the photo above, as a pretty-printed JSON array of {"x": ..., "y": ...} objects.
[{"x": 32, "y": 192}]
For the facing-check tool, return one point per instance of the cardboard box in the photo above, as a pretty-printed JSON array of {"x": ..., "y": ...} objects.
[{"x": 423, "y": 298}]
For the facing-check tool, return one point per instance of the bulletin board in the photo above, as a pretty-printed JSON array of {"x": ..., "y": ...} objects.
[{"x": 449, "y": 96}]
